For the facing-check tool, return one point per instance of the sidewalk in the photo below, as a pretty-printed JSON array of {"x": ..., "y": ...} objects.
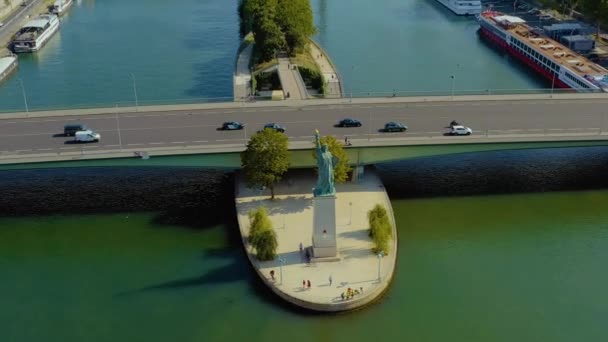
[
  {"x": 330, "y": 75},
  {"x": 291, "y": 81},
  {"x": 242, "y": 74},
  {"x": 292, "y": 214}
]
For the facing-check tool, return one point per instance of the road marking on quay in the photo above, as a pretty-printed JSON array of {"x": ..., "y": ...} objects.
[
  {"x": 134, "y": 144},
  {"x": 178, "y": 142},
  {"x": 66, "y": 148},
  {"x": 156, "y": 143},
  {"x": 22, "y": 151},
  {"x": 44, "y": 149},
  {"x": 200, "y": 141}
]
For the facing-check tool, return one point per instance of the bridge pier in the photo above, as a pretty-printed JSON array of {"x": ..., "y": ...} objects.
[{"x": 358, "y": 173}]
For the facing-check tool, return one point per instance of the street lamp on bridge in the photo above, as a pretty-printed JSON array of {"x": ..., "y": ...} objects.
[{"x": 134, "y": 91}]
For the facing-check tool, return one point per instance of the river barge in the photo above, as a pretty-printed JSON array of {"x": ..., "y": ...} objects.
[
  {"x": 8, "y": 65},
  {"x": 558, "y": 64},
  {"x": 35, "y": 33},
  {"x": 463, "y": 7}
]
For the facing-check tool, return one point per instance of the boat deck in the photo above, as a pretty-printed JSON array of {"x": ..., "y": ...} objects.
[{"x": 549, "y": 48}]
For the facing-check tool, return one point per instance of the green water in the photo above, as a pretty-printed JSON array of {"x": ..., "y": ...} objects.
[{"x": 526, "y": 267}]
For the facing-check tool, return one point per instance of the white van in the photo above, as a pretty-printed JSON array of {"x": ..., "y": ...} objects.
[{"x": 87, "y": 136}]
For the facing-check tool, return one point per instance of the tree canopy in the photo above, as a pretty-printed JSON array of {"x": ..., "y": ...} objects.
[
  {"x": 342, "y": 168},
  {"x": 266, "y": 159},
  {"x": 596, "y": 10},
  {"x": 261, "y": 235},
  {"x": 277, "y": 25}
]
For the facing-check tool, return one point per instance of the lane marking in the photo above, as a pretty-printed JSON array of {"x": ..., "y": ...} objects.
[
  {"x": 134, "y": 144},
  {"x": 66, "y": 148},
  {"x": 178, "y": 142},
  {"x": 156, "y": 143},
  {"x": 22, "y": 151},
  {"x": 44, "y": 149},
  {"x": 200, "y": 141}
]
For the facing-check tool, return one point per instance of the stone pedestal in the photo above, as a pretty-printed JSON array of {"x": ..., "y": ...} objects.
[{"x": 324, "y": 227}]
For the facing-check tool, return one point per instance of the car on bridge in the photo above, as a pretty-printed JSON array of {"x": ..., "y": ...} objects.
[
  {"x": 231, "y": 126},
  {"x": 348, "y": 122},
  {"x": 394, "y": 127},
  {"x": 70, "y": 130},
  {"x": 274, "y": 126},
  {"x": 86, "y": 136},
  {"x": 460, "y": 130}
]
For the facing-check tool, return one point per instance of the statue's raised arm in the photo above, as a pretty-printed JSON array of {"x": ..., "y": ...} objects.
[{"x": 317, "y": 139}]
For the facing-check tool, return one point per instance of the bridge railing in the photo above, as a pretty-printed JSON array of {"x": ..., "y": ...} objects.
[{"x": 22, "y": 101}]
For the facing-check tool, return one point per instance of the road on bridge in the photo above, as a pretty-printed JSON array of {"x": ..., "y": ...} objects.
[{"x": 199, "y": 127}]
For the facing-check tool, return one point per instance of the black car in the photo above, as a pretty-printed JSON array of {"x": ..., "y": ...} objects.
[
  {"x": 232, "y": 126},
  {"x": 71, "y": 129},
  {"x": 394, "y": 127},
  {"x": 348, "y": 122},
  {"x": 275, "y": 126}
]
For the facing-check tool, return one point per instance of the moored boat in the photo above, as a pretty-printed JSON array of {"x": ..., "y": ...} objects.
[
  {"x": 35, "y": 33},
  {"x": 8, "y": 64},
  {"x": 463, "y": 7},
  {"x": 561, "y": 66},
  {"x": 59, "y": 7}
]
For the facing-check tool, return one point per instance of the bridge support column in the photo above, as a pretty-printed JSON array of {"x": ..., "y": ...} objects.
[{"x": 358, "y": 173}]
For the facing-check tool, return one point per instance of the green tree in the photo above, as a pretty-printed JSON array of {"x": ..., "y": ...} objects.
[
  {"x": 266, "y": 159},
  {"x": 595, "y": 10},
  {"x": 342, "y": 168},
  {"x": 261, "y": 235},
  {"x": 380, "y": 229},
  {"x": 268, "y": 37},
  {"x": 295, "y": 19}
]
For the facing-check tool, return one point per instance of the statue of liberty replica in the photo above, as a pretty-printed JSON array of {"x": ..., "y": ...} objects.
[{"x": 324, "y": 204}]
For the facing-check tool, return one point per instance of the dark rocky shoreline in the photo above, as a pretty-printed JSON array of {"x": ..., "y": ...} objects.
[{"x": 179, "y": 194}]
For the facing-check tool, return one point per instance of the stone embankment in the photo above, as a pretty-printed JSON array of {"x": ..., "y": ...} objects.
[
  {"x": 292, "y": 215},
  {"x": 331, "y": 77}
]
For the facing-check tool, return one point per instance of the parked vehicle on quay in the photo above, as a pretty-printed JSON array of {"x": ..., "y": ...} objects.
[
  {"x": 231, "y": 126},
  {"x": 394, "y": 127},
  {"x": 274, "y": 126},
  {"x": 349, "y": 122},
  {"x": 87, "y": 136}
]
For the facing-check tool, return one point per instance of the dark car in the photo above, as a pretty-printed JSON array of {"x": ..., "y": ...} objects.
[
  {"x": 275, "y": 126},
  {"x": 348, "y": 122},
  {"x": 232, "y": 126},
  {"x": 394, "y": 127},
  {"x": 70, "y": 130}
]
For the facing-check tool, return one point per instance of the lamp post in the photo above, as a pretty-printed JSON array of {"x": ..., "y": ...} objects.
[
  {"x": 118, "y": 128},
  {"x": 134, "y": 91},
  {"x": 281, "y": 263},
  {"x": 352, "y": 82},
  {"x": 453, "y": 77},
  {"x": 350, "y": 220},
  {"x": 380, "y": 255},
  {"x": 24, "y": 96}
]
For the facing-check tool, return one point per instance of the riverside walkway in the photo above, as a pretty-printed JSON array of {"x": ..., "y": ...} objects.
[
  {"x": 328, "y": 70},
  {"x": 242, "y": 74},
  {"x": 292, "y": 217}
]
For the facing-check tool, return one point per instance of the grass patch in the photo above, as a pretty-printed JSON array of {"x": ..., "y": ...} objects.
[{"x": 310, "y": 70}]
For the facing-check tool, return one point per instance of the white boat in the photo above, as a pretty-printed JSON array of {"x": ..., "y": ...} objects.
[
  {"x": 60, "y": 6},
  {"x": 463, "y": 7},
  {"x": 8, "y": 64},
  {"x": 35, "y": 33}
]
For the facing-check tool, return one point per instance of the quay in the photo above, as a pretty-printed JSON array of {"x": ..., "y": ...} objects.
[
  {"x": 8, "y": 65},
  {"x": 291, "y": 213}
]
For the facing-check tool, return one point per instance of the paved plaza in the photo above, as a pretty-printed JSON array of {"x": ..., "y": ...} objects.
[{"x": 292, "y": 216}]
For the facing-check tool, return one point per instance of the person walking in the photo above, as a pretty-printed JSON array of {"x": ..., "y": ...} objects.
[
  {"x": 330, "y": 280},
  {"x": 272, "y": 274},
  {"x": 308, "y": 283},
  {"x": 301, "y": 248},
  {"x": 303, "y": 284}
]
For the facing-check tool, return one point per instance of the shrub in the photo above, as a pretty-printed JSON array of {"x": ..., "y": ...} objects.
[
  {"x": 261, "y": 235},
  {"x": 380, "y": 229}
]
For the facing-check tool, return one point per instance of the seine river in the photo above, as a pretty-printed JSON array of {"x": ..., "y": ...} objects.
[
  {"x": 184, "y": 51},
  {"x": 505, "y": 246}
]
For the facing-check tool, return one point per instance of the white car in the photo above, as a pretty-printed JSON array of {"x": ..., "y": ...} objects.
[
  {"x": 87, "y": 136},
  {"x": 460, "y": 130},
  {"x": 1, "y": 24}
]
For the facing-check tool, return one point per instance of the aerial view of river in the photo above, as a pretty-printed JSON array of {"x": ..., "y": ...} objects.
[
  {"x": 184, "y": 51},
  {"x": 498, "y": 246}
]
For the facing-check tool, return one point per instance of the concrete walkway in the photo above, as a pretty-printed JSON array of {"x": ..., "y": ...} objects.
[
  {"x": 291, "y": 214},
  {"x": 291, "y": 81},
  {"x": 242, "y": 74},
  {"x": 330, "y": 74}
]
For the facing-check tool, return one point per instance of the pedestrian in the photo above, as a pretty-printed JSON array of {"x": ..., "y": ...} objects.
[
  {"x": 308, "y": 283},
  {"x": 330, "y": 280},
  {"x": 345, "y": 140},
  {"x": 304, "y": 284},
  {"x": 272, "y": 274},
  {"x": 342, "y": 295},
  {"x": 301, "y": 248},
  {"x": 361, "y": 289}
]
